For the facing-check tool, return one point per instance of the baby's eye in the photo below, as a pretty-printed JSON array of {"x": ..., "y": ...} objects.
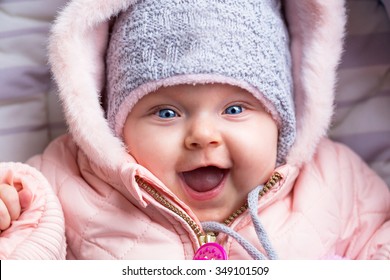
[
  {"x": 166, "y": 113},
  {"x": 234, "y": 110}
]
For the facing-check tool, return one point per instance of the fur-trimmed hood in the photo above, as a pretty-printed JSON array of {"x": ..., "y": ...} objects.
[{"x": 78, "y": 44}]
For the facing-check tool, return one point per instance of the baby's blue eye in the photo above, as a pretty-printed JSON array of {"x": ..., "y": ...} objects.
[
  {"x": 234, "y": 110},
  {"x": 166, "y": 113}
]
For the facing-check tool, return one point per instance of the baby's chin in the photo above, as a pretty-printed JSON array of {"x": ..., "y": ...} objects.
[
  {"x": 216, "y": 213},
  {"x": 209, "y": 216}
]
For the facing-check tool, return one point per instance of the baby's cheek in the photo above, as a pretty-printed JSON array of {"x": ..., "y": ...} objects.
[{"x": 259, "y": 163}]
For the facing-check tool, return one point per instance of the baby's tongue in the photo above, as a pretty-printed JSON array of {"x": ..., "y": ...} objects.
[{"x": 204, "y": 179}]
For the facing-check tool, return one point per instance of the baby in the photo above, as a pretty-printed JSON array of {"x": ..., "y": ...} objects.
[
  {"x": 209, "y": 132},
  {"x": 203, "y": 140}
]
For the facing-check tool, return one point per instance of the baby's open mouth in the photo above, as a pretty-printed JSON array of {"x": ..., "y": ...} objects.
[{"x": 204, "y": 179}]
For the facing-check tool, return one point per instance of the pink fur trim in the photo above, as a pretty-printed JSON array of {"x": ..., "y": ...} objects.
[
  {"x": 317, "y": 30},
  {"x": 147, "y": 88},
  {"x": 76, "y": 49}
]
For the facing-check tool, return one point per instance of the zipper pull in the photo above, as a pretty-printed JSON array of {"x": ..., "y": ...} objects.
[
  {"x": 209, "y": 249},
  {"x": 207, "y": 238}
]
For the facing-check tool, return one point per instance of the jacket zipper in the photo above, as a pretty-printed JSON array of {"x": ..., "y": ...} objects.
[{"x": 202, "y": 237}]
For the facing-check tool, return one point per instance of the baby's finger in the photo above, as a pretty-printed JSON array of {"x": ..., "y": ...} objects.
[
  {"x": 25, "y": 198},
  {"x": 5, "y": 218},
  {"x": 10, "y": 198}
]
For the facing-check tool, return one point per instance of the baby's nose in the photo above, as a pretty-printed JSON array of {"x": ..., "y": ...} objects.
[{"x": 202, "y": 133}]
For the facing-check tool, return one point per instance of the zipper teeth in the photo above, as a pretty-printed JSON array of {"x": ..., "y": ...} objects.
[
  {"x": 163, "y": 201},
  {"x": 276, "y": 177}
]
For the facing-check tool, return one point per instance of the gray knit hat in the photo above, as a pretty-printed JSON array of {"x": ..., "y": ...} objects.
[{"x": 157, "y": 43}]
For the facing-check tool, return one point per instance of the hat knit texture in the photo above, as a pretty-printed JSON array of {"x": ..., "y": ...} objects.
[{"x": 244, "y": 40}]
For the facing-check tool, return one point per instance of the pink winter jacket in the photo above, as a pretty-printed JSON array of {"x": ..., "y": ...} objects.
[{"x": 327, "y": 204}]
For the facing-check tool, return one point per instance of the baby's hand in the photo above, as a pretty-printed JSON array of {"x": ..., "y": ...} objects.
[{"x": 13, "y": 199}]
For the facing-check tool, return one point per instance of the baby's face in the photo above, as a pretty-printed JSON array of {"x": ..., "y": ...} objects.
[{"x": 209, "y": 144}]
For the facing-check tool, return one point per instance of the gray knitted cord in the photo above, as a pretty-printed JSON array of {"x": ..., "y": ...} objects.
[
  {"x": 243, "y": 40},
  {"x": 253, "y": 199}
]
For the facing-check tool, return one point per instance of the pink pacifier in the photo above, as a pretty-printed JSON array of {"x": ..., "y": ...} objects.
[{"x": 211, "y": 251}]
